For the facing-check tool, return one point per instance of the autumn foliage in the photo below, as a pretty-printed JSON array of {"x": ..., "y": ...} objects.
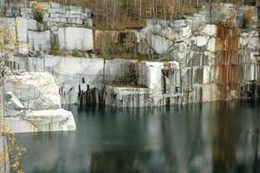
[
  {"x": 12, "y": 158},
  {"x": 118, "y": 14},
  {"x": 37, "y": 12}
]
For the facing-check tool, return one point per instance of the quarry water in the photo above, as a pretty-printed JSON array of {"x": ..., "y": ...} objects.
[{"x": 197, "y": 138}]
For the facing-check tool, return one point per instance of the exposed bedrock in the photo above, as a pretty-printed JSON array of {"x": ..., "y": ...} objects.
[
  {"x": 33, "y": 104},
  {"x": 133, "y": 83},
  {"x": 207, "y": 56}
]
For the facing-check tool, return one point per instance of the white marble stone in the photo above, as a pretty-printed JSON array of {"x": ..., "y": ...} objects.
[
  {"x": 8, "y": 22},
  {"x": 210, "y": 29},
  {"x": 39, "y": 41},
  {"x": 13, "y": 101},
  {"x": 76, "y": 38},
  {"x": 22, "y": 27},
  {"x": 159, "y": 44},
  {"x": 211, "y": 45},
  {"x": 69, "y": 77},
  {"x": 201, "y": 40},
  {"x": 126, "y": 96},
  {"x": 35, "y": 90},
  {"x": 42, "y": 121},
  {"x": 154, "y": 76},
  {"x": 33, "y": 25}
]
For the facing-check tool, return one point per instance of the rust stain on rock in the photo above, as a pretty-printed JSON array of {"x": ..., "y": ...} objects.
[{"x": 227, "y": 48}]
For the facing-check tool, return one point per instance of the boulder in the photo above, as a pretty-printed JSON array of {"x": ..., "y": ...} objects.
[
  {"x": 42, "y": 121},
  {"x": 36, "y": 91}
]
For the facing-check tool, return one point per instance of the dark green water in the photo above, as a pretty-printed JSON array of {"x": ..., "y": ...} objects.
[{"x": 214, "y": 137}]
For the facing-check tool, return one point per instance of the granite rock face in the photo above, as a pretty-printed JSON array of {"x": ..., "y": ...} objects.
[
  {"x": 41, "y": 121},
  {"x": 207, "y": 56},
  {"x": 53, "y": 13},
  {"x": 35, "y": 90},
  {"x": 71, "y": 81},
  {"x": 71, "y": 38},
  {"x": 33, "y": 104},
  {"x": 62, "y": 26},
  {"x": 39, "y": 41}
]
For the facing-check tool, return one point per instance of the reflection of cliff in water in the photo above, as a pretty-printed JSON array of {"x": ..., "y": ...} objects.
[
  {"x": 186, "y": 138},
  {"x": 217, "y": 137},
  {"x": 223, "y": 141}
]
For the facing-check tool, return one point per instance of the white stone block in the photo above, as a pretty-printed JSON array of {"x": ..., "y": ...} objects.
[
  {"x": 23, "y": 48},
  {"x": 63, "y": 20},
  {"x": 22, "y": 27},
  {"x": 75, "y": 9},
  {"x": 88, "y": 22},
  {"x": 206, "y": 74},
  {"x": 55, "y": 5},
  {"x": 75, "y": 38},
  {"x": 32, "y": 24},
  {"x": 36, "y": 91},
  {"x": 253, "y": 43},
  {"x": 210, "y": 30},
  {"x": 42, "y": 121},
  {"x": 211, "y": 46},
  {"x": 84, "y": 16},
  {"x": 154, "y": 76},
  {"x": 79, "y": 21},
  {"x": 243, "y": 40},
  {"x": 127, "y": 96},
  {"x": 186, "y": 32},
  {"x": 159, "y": 44},
  {"x": 39, "y": 41},
  {"x": 201, "y": 40},
  {"x": 8, "y": 22}
]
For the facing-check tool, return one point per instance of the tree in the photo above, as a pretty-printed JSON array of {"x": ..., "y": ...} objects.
[{"x": 7, "y": 43}]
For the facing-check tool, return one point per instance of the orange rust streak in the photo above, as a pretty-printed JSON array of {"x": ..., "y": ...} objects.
[{"x": 227, "y": 44}]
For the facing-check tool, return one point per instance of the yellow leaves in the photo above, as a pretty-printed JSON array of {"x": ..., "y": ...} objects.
[
  {"x": 15, "y": 151},
  {"x": 7, "y": 39},
  {"x": 10, "y": 36},
  {"x": 14, "y": 165},
  {"x": 4, "y": 131},
  {"x": 3, "y": 157},
  {"x": 37, "y": 12},
  {"x": 1, "y": 37},
  {"x": 37, "y": 7}
]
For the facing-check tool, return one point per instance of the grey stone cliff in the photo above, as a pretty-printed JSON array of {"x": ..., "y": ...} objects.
[{"x": 207, "y": 56}]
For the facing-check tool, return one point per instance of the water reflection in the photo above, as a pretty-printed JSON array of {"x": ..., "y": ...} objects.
[{"x": 216, "y": 137}]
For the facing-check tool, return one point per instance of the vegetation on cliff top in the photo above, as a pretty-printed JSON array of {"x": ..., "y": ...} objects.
[{"x": 118, "y": 14}]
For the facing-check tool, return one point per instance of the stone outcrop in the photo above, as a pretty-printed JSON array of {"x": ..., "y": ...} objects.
[
  {"x": 207, "y": 56},
  {"x": 33, "y": 104},
  {"x": 63, "y": 26},
  {"x": 35, "y": 90},
  {"x": 41, "y": 121},
  {"x": 71, "y": 38},
  {"x": 53, "y": 13},
  {"x": 71, "y": 81}
]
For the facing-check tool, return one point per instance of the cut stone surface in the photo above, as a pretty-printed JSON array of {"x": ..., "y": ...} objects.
[{"x": 42, "y": 121}]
